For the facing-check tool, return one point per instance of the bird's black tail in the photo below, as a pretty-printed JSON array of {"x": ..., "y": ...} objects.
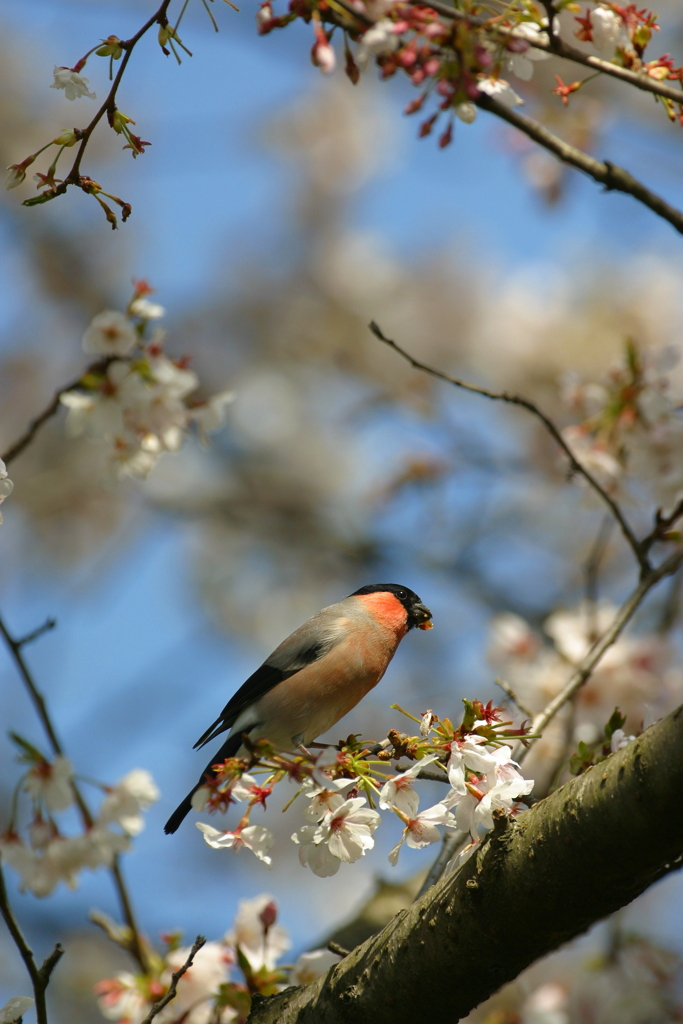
[{"x": 229, "y": 749}]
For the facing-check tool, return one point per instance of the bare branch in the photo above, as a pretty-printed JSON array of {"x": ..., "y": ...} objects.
[
  {"x": 137, "y": 948},
  {"x": 100, "y": 366},
  {"x": 175, "y": 978},
  {"x": 668, "y": 567},
  {"x": 505, "y": 686},
  {"x": 612, "y": 177},
  {"x": 35, "y": 634},
  {"x": 524, "y": 403},
  {"x": 40, "y": 976}
]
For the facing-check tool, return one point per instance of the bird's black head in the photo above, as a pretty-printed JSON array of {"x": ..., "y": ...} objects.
[{"x": 418, "y": 613}]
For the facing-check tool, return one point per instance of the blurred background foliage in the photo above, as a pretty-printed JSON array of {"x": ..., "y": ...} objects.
[{"x": 277, "y": 213}]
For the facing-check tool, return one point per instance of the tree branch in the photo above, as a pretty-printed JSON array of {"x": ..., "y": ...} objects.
[
  {"x": 99, "y": 366},
  {"x": 575, "y": 857},
  {"x": 612, "y": 177},
  {"x": 109, "y": 105},
  {"x": 40, "y": 976},
  {"x": 175, "y": 978},
  {"x": 668, "y": 567},
  {"x": 559, "y": 48},
  {"x": 14, "y": 646},
  {"x": 524, "y": 403}
]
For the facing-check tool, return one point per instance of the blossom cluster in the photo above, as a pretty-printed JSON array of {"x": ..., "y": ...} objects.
[
  {"x": 135, "y": 401},
  {"x": 342, "y": 786},
  {"x": 635, "y": 673},
  {"x": 457, "y": 59},
  {"x": 208, "y": 992},
  {"x": 631, "y": 981},
  {"x": 50, "y": 857},
  {"x": 630, "y": 427}
]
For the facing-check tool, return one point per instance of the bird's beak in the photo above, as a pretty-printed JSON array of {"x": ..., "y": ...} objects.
[{"x": 423, "y": 616}]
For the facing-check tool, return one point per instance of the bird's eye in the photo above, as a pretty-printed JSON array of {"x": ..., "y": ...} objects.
[{"x": 402, "y": 593}]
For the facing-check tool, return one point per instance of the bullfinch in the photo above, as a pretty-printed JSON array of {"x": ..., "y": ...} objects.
[{"x": 315, "y": 676}]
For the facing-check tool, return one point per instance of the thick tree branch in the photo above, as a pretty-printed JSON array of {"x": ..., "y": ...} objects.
[
  {"x": 574, "y": 858},
  {"x": 15, "y": 648},
  {"x": 524, "y": 403},
  {"x": 614, "y": 178},
  {"x": 40, "y": 976}
]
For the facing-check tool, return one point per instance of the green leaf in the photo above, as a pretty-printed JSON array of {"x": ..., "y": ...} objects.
[
  {"x": 44, "y": 197},
  {"x": 615, "y": 722},
  {"x": 29, "y": 754}
]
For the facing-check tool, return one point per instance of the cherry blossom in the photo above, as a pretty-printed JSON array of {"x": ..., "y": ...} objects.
[
  {"x": 495, "y": 791},
  {"x": 201, "y": 981},
  {"x": 499, "y": 89},
  {"x": 348, "y": 829},
  {"x": 325, "y": 798},
  {"x": 421, "y": 830},
  {"x": 122, "y": 805},
  {"x": 16, "y": 173},
  {"x": 15, "y": 1008},
  {"x": 381, "y": 38},
  {"x": 314, "y": 853},
  {"x": 256, "y": 838},
  {"x": 466, "y": 112},
  {"x": 6, "y": 485},
  {"x": 548, "y": 1004},
  {"x": 50, "y": 783},
  {"x": 210, "y": 415},
  {"x": 146, "y": 310},
  {"x": 312, "y": 965},
  {"x": 619, "y": 740},
  {"x": 609, "y": 31},
  {"x": 73, "y": 84},
  {"x": 122, "y": 999},
  {"x": 521, "y": 63},
  {"x": 472, "y": 753},
  {"x": 256, "y": 933},
  {"x": 110, "y": 333},
  {"x": 398, "y": 791}
]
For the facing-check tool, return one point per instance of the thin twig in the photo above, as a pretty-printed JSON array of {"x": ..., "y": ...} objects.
[
  {"x": 505, "y": 686},
  {"x": 591, "y": 574},
  {"x": 40, "y": 976},
  {"x": 614, "y": 178},
  {"x": 559, "y": 48},
  {"x": 175, "y": 978},
  {"x": 36, "y": 633},
  {"x": 668, "y": 567},
  {"x": 334, "y": 947},
  {"x": 524, "y": 403},
  {"x": 109, "y": 105},
  {"x": 100, "y": 366},
  {"x": 14, "y": 646}
]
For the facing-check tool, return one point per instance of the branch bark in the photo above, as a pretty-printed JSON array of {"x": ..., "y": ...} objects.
[
  {"x": 137, "y": 947},
  {"x": 615, "y": 179},
  {"x": 575, "y": 857},
  {"x": 40, "y": 976},
  {"x": 525, "y": 403}
]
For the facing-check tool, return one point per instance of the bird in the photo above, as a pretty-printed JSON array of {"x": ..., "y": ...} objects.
[{"x": 315, "y": 676}]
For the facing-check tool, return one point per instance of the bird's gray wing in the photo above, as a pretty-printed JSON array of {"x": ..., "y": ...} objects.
[{"x": 305, "y": 645}]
